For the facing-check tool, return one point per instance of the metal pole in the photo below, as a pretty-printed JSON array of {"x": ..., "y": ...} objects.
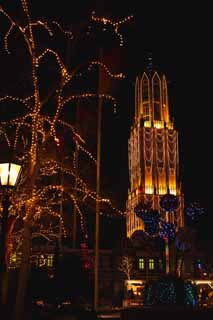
[
  {"x": 76, "y": 181},
  {"x": 167, "y": 253},
  {"x": 97, "y": 216},
  {"x": 61, "y": 210}
]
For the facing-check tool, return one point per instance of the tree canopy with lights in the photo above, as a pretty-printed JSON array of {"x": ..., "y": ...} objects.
[{"x": 38, "y": 117}]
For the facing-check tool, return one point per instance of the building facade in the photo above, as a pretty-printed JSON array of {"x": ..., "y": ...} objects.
[{"x": 153, "y": 153}]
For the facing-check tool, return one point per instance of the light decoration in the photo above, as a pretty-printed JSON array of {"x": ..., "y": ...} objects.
[
  {"x": 181, "y": 245},
  {"x": 160, "y": 293},
  {"x": 69, "y": 34},
  {"x": 142, "y": 207},
  {"x": 183, "y": 240},
  {"x": 154, "y": 225},
  {"x": 167, "y": 230},
  {"x": 153, "y": 151},
  {"x": 167, "y": 292},
  {"x": 194, "y": 210},
  {"x": 169, "y": 202},
  {"x": 158, "y": 124},
  {"x": 190, "y": 294},
  {"x": 35, "y": 129},
  {"x": 151, "y": 222},
  {"x": 150, "y": 217},
  {"x": 115, "y": 25}
]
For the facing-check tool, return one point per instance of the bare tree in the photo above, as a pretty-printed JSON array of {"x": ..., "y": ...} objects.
[
  {"x": 39, "y": 117},
  {"x": 127, "y": 266}
]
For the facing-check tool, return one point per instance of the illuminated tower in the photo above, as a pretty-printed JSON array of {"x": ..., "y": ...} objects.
[{"x": 153, "y": 152}]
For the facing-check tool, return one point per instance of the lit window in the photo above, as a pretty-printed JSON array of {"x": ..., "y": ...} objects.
[
  {"x": 13, "y": 260},
  {"x": 50, "y": 260},
  {"x": 141, "y": 263},
  {"x": 151, "y": 264}
]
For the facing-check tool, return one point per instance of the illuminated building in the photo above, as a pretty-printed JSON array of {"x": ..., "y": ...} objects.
[{"x": 153, "y": 152}]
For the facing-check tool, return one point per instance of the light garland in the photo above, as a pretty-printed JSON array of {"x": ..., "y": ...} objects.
[{"x": 34, "y": 130}]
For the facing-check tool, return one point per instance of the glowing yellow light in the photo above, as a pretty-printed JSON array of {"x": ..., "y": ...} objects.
[
  {"x": 147, "y": 124},
  {"x": 149, "y": 190},
  {"x": 158, "y": 124},
  {"x": 4, "y": 169},
  {"x": 9, "y": 173}
]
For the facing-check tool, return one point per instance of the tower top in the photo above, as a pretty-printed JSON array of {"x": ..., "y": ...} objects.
[
  {"x": 151, "y": 97},
  {"x": 149, "y": 66}
]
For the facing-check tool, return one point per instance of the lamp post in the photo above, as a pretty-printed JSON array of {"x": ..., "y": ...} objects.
[{"x": 9, "y": 174}]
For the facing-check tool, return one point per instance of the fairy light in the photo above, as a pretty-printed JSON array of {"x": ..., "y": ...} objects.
[
  {"x": 115, "y": 76},
  {"x": 40, "y": 201},
  {"x": 116, "y": 25},
  {"x": 69, "y": 34},
  {"x": 41, "y": 24}
]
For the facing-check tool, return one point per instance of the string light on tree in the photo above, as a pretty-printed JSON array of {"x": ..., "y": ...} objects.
[{"x": 36, "y": 132}]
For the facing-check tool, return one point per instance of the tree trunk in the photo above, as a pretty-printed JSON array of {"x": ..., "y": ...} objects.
[{"x": 23, "y": 272}]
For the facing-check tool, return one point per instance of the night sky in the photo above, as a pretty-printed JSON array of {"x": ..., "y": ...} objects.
[{"x": 178, "y": 36}]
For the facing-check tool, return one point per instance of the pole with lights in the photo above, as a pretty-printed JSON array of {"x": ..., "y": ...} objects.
[
  {"x": 9, "y": 174},
  {"x": 98, "y": 172}
]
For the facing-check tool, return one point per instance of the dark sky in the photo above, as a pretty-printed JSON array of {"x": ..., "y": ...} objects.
[{"x": 178, "y": 35}]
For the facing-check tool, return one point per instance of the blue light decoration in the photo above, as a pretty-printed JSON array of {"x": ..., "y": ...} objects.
[
  {"x": 183, "y": 240},
  {"x": 167, "y": 230},
  {"x": 165, "y": 292},
  {"x": 151, "y": 219},
  {"x": 182, "y": 245},
  {"x": 168, "y": 291},
  {"x": 142, "y": 207},
  {"x": 161, "y": 292},
  {"x": 169, "y": 202},
  {"x": 149, "y": 296},
  {"x": 194, "y": 210},
  {"x": 190, "y": 294},
  {"x": 199, "y": 264}
]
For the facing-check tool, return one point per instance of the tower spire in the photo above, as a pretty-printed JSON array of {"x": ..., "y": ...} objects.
[{"x": 149, "y": 67}]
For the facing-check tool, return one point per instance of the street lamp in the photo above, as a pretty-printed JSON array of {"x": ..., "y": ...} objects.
[{"x": 9, "y": 174}]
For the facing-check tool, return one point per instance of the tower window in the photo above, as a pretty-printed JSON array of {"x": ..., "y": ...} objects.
[
  {"x": 156, "y": 87},
  {"x": 141, "y": 263},
  {"x": 151, "y": 264},
  {"x": 146, "y": 111},
  {"x": 157, "y": 115},
  {"x": 145, "y": 92}
]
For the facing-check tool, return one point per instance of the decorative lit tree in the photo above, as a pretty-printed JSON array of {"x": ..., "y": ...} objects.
[
  {"x": 33, "y": 124},
  {"x": 127, "y": 266}
]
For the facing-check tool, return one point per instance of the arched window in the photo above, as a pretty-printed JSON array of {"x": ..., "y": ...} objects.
[
  {"x": 145, "y": 97},
  {"x": 145, "y": 88},
  {"x": 156, "y": 94},
  {"x": 141, "y": 264},
  {"x": 151, "y": 264}
]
